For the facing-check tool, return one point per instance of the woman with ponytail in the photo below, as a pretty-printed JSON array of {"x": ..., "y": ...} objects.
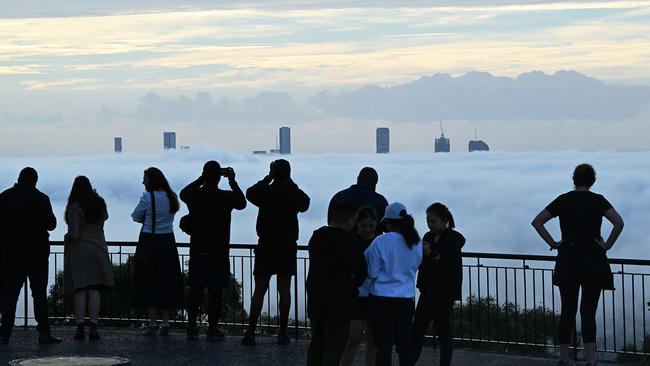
[
  {"x": 393, "y": 260},
  {"x": 440, "y": 280}
]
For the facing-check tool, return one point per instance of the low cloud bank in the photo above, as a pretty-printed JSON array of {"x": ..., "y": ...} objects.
[{"x": 493, "y": 196}]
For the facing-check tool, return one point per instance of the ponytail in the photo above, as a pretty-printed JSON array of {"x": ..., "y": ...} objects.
[
  {"x": 443, "y": 213},
  {"x": 406, "y": 227}
]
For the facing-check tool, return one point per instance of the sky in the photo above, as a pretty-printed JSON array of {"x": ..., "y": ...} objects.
[{"x": 228, "y": 74}]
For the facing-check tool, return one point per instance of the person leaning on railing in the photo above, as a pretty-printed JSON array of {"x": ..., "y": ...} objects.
[
  {"x": 581, "y": 260},
  {"x": 157, "y": 279},
  {"x": 87, "y": 265}
]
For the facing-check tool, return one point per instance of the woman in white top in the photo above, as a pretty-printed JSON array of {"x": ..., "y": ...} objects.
[
  {"x": 393, "y": 260},
  {"x": 157, "y": 280}
]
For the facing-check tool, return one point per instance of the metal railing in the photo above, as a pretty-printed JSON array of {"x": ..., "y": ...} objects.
[{"x": 508, "y": 299}]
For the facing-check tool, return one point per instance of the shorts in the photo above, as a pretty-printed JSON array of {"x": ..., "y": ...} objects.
[{"x": 270, "y": 261}]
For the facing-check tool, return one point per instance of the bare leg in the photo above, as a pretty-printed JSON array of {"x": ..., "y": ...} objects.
[
  {"x": 564, "y": 352},
  {"x": 79, "y": 301},
  {"x": 354, "y": 339},
  {"x": 284, "y": 289},
  {"x": 261, "y": 286},
  {"x": 94, "y": 304},
  {"x": 153, "y": 312},
  {"x": 590, "y": 352},
  {"x": 165, "y": 317}
]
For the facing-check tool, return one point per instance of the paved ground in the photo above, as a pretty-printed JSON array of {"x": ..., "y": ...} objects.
[{"x": 175, "y": 350}]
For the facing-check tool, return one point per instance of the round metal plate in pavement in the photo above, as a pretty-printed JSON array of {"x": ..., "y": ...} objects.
[{"x": 71, "y": 361}]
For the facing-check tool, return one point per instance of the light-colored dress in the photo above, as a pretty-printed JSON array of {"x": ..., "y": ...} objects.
[{"x": 87, "y": 262}]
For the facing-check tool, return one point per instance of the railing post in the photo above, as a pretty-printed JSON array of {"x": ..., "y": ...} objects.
[
  {"x": 26, "y": 305},
  {"x": 575, "y": 341},
  {"x": 295, "y": 303}
]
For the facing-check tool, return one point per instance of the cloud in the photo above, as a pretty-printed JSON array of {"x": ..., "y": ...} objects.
[
  {"x": 267, "y": 106},
  {"x": 493, "y": 196},
  {"x": 481, "y": 96}
]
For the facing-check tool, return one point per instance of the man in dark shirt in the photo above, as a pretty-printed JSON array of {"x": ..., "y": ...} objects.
[
  {"x": 210, "y": 214},
  {"x": 362, "y": 194},
  {"x": 337, "y": 267},
  {"x": 25, "y": 218},
  {"x": 279, "y": 200}
]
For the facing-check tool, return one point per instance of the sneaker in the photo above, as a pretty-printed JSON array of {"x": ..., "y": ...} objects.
[
  {"x": 192, "y": 333},
  {"x": 93, "y": 335},
  {"x": 214, "y": 334},
  {"x": 248, "y": 340},
  {"x": 80, "y": 333},
  {"x": 283, "y": 339},
  {"x": 164, "y": 331},
  {"x": 150, "y": 331}
]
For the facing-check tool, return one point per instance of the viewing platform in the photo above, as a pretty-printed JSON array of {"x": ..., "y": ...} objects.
[
  {"x": 509, "y": 315},
  {"x": 174, "y": 350}
]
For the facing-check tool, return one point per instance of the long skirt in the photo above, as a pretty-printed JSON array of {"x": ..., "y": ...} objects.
[{"x": 157, "y": 279}]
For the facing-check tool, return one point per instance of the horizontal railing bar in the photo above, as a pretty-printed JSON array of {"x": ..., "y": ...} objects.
[{"x": 528, "y": 257}]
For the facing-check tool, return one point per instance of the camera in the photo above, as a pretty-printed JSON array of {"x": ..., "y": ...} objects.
[{"x": 226, "y": 171}]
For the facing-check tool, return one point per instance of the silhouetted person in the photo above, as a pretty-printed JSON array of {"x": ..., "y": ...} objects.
[
  {"x": 279, "y": 200},
  {"x": 440, "y": 280},
  {"x": 393, "y": 260},
  {"x": 210, "y": 215},
  {"x": 581, "y": 260},
  {"x": 362, "y": 194},
  {"x": 336, "y": 268},
  {"x": 87, "y": 264},
  {"x": 157, "y": 279},
  {"x": 366, "y": 228},
  {"x": 25, "y": 218}
]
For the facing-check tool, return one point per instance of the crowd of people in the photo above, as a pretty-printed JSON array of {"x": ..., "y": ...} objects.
[{"x": 366, "y": 265}]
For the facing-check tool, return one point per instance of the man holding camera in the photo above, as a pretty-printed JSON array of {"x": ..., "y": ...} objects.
[
  {"x": 279, "y": 200},
  {"x": 208, "y": 225}
]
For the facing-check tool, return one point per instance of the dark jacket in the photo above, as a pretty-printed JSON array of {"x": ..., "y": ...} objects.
[
  {"x": 279, "y": 204},
  {"x": 210, "y": 209},
  {"x": 337, "y": 268},
  {"x": 25, "y": 218},
  {"x": 360, "y": 196},
  {"x": 442, "y": 278}
]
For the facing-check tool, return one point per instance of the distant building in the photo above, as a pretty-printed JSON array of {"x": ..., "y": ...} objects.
[
  {"x": 477, "y": 145},
  {"x": 383, "y": 140},
  {"x": 274, "y": 151},
  {"x": 442, "y": 143},
  {"x": 285, "y": 140},
  {"x": 185, "y": 148},
  {"x": 259, "y": 152},
  {"x": 117, "y": 144},
  {"x": 169, "y": 140}
]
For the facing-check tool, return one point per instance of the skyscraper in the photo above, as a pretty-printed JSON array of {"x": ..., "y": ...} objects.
[
  {"x": 117, "y": 143},
  {"x": 169, "y": 140},
  {"x": 285, "y": 140},
  {"x": 383, "y": 140}
]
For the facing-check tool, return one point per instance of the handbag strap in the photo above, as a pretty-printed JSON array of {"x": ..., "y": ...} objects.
[{"x": 153, "y": 212}]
